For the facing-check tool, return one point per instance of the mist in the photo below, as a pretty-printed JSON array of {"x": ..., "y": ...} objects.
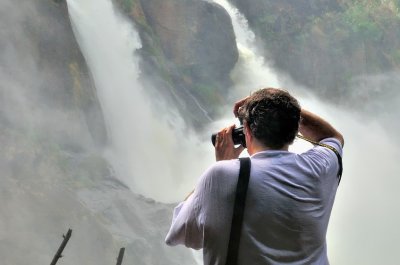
[{"x": 56, "y": 176}]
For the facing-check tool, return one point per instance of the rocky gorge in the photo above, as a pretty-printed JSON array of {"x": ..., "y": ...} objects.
[{"x": 53, "y": 132}]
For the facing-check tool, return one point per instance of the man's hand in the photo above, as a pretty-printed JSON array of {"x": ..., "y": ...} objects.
[
  {"x": 238, "y": 104},
  {"x": 224, "y": 147}
]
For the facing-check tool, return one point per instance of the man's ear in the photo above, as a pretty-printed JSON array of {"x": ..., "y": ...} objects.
[{"x": 247, "y": 132}]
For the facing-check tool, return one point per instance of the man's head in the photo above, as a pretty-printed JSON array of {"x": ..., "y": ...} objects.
[{"x": 273, "y": 116}]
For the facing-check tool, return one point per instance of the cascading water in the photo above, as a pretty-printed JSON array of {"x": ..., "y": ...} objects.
[
  {"x": 146, "y": 153},
  {"x": 251, "y": 71}
]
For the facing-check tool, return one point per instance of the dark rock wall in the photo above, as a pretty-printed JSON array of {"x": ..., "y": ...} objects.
[
  {"x": 43, "y": 71},
  {"x": 195, "y": 35},
  {"x": 188, "y": 51}
]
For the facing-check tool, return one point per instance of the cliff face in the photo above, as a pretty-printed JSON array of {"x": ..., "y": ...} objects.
[
  {"x": 195, "y": 35},
  {"x": 322, "y": 44},
  {"x": 52, "y": 135},
  {"x": 189, "y": 47},
  {"x": 326, "y": 44},
  {"x": 43, "y": 70},
  {"x": 49, "y": 116}
]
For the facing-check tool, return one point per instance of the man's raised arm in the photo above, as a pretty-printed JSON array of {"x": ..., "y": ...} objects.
[{"x": 315, "y": 128}]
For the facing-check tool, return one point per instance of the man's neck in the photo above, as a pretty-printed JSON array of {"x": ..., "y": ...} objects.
[{"x": 256, "y": 148}]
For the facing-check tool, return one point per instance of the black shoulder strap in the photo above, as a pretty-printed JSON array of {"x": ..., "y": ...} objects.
[{"x": 238, "y": 210}]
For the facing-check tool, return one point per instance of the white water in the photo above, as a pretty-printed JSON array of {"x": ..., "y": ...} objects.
[
  {"x": 363, "y": 226},
  {"x": 154, "y": 159},
  {"x": 251, "y": 72}
]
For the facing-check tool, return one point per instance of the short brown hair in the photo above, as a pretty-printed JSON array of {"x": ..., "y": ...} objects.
[{"x": 272, "y": 115}]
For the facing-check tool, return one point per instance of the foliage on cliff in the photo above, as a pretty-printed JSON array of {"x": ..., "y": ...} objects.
[{"x": 325, "y": 44}]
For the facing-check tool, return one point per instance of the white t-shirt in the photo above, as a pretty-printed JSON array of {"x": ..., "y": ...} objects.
[{"x": 288, "y": 205}]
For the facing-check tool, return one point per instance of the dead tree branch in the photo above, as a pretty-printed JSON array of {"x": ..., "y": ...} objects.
[
  {"x": 61, "y": 248},
  {"x": 120, "y": 256}
]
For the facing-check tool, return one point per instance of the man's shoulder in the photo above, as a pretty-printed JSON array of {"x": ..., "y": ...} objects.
[
  {"x": 322, "y": 158},
  {"x": 219, "y": 178},
  {"x": 222, "y": 169},
  {"x": 226, "y": 166},
  {"x": 334, "y": 143},
  {"x": 327, "y": 146}
]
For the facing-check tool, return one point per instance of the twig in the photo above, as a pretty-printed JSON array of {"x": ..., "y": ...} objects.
[
  {"x": 120, "y": 256},
  {"x": 61, "y": 248}
]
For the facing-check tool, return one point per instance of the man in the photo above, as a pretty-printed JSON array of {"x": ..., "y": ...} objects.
[{"x": 289, "y": 197}]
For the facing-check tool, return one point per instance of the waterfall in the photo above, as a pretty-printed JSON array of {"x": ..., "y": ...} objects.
[
  {"x": 251, "y": 71},
  {"x": 155, "y": 159}
]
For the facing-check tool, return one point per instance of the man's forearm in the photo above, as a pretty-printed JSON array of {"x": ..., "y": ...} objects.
[{"x": 315, "y": 128}]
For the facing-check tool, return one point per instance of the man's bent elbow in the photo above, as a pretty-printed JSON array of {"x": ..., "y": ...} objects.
[
  {"x": 194, "y": 245},
  {"x": 169, "y": 241},
  {"x": 339, "y": 137}
]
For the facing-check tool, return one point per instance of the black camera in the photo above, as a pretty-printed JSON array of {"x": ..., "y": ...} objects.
[{"x": 237, "y": 136}]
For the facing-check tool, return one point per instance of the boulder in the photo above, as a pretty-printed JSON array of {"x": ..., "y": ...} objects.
[
  {"x": 189, "y": 50},
  {"x": 195, "y": 35}
]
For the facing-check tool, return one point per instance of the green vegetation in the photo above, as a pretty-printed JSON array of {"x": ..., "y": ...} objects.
[
  {"x": 127, "y": 5},
  {"x": 396, "y": 56},
  {"x": 82, "y": 97},
  {"x": 208, "y": 93},
  {"x": 370, "y": 19},
  {"x": 329, "y": 47}
]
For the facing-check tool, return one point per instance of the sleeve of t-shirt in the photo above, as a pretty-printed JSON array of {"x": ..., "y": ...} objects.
[
  {"x": 322, "y": 160},
  {"x": 187, "y": 226}
]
